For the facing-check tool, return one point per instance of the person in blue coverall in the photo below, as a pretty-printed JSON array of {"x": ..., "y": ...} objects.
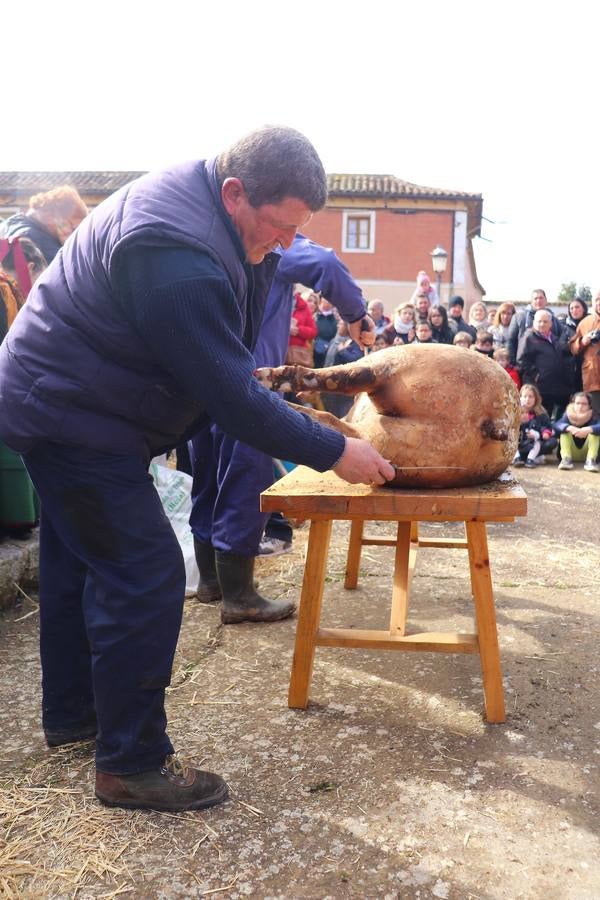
[
  {"x": 138, "y": 333},
  {"x": 229, "y": 475}
]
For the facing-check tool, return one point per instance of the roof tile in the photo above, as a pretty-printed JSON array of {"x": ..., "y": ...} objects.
[{"x": 340, "y": 185}]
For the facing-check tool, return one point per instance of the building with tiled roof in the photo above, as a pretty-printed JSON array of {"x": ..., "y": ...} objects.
[
  {"x": 17, "y": 187},
  {"x": 382, "y": 227},
  {"x": 385, "y": 230}
]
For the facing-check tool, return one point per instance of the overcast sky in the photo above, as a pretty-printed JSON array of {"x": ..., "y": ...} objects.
[{"x": 492, "y": 98}]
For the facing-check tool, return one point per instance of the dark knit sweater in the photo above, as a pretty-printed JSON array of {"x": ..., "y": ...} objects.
[{"x": 175, "y": 297}]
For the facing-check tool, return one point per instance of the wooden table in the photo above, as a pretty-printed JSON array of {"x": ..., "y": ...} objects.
[{"x": 324, "y": 498}]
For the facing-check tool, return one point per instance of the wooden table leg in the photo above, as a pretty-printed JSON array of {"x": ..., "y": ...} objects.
[
  {"x": 404, "y": 564},
  {"x": 354, "y": 551},
  {"x": 485, "y": 613},
  {"x": 309, "y": 613}
]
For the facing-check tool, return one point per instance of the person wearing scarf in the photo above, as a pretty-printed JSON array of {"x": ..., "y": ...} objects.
[
  {"x": 402, "y": 328},
  {"x": 579, "y": 434},
  {"x": 478, "y": 315}
]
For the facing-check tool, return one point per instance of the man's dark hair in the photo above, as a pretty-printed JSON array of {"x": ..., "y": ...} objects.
[
  {"x": 275, "y": 162},
  {"x": 456, "y": 301}
]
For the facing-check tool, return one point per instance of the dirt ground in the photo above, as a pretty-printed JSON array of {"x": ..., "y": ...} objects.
[{"x": 390, "y": 784}]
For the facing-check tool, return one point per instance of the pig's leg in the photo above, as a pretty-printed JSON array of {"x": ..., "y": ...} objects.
[
  {"x": 348, "y": 379},
  {"x": 326, "y": 418}
]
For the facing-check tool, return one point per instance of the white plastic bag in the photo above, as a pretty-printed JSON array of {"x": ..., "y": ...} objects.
[{"x": 175, "y": 492}]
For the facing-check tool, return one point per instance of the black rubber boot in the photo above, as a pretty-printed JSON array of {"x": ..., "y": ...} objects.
[
  {"x": 241, "y": 602},
  {"x": 209, "y": 590}
]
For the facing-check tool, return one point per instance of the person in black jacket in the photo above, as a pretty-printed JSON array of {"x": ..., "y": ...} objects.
[
  {"x": 578, "y": 310},
  {"x": 440, "y": 330},
  {"x": 484, "y": 343},
  {"x": 536, "y": 437},
  {"x": 539, "y": 301},
  {"x": 455, "y": 317},
  {"x": 541, "y": 361}
]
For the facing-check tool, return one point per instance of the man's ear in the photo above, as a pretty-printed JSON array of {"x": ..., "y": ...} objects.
[{"x": 232, "y": 194}]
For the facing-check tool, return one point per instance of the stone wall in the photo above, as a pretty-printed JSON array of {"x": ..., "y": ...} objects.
[{"x": 18, "y": 568}]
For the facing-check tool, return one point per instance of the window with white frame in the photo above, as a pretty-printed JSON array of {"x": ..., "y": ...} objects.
[{"x": 358, "y": 228}]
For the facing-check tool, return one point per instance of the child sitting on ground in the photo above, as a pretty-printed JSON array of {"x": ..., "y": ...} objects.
[
  {"x": 579, "y": 431},
  {"x": 502, "y": 357},
  {"x": 535, "y": 433}
]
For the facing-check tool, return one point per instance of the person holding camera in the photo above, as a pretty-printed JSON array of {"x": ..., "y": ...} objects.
[{"x": 586, "y": 343}]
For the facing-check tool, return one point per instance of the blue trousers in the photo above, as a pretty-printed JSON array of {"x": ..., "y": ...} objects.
[
  {"x": 112, "y": 584},
  {"x": 228, "y": 479}
]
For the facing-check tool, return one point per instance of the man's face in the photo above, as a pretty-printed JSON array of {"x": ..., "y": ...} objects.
[
  {"x": 597, "y": 305},
  {"x": 538, "y": 300},
  {"x": 423, "y": 305},
  {"x": 456, "y": 311},
  {"x": 265, "y": 227}
]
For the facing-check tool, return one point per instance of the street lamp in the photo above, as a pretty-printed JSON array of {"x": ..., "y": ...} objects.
[{"x": 439, "y": 258}]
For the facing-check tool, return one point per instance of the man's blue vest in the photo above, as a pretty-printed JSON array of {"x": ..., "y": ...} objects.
[{"x": 72, "y": 368}]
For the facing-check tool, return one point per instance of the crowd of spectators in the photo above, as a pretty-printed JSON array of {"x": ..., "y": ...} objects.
[{"x": 554, "y": 359}]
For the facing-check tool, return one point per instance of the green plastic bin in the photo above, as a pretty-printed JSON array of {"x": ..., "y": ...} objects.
[{"x": 19, "y": 506}]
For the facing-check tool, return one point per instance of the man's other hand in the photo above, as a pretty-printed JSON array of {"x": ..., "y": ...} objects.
[{"x": 363, "y": 331}]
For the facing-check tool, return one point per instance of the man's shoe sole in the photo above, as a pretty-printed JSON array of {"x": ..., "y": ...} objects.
[
  {"x": 203, "y": 803},
  {"x": 258, "y": 618},
  {"x": 62, "y": 738}
]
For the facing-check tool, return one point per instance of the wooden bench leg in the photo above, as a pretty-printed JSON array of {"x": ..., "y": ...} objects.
[
  {"x": 485, "y": 614},
  {"x": 354, "y": 551},
  {"x": 404, "y": 564},
  {"x": 309, "y": 613}
]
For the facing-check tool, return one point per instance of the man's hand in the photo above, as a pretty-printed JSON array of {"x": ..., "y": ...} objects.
[
  {"x": 363, "y": 331},
  {"x": 362, "y": 464}
]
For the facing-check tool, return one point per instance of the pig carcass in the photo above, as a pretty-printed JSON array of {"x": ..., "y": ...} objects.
[{"x": 442, "y": 415}]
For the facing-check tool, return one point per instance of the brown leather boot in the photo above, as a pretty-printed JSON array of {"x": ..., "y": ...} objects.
[
  {"x": 173, "y": 786},
  {"x": 241, "y": 602},
  {"x": 209, "y": 589}
]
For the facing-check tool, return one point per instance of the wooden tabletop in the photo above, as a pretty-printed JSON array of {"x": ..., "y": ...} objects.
[{"x": 304, "y": 493}]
